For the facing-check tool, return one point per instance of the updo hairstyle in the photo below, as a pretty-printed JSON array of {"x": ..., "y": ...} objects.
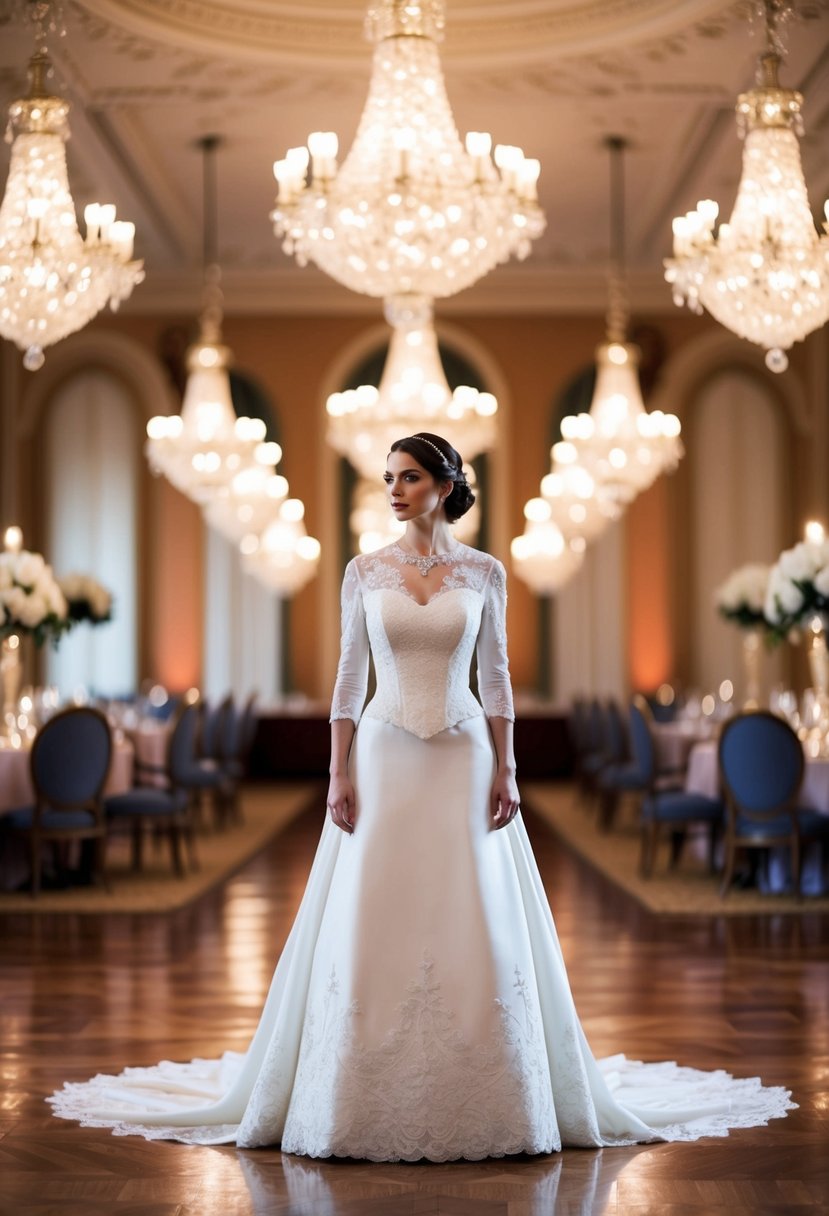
[{"x": 439, "y": 458}]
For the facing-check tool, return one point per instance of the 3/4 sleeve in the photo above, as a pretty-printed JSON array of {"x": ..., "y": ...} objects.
[
  {"x": 494, "y": 684},
  {"x": 352, "y": 673}
]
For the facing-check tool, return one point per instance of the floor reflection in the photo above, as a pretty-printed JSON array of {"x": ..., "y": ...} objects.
[{"x": 574, "y": 1182}]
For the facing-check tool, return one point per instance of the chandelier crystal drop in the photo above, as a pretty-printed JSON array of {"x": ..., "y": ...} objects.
[
  {"x": 413, "y": 396},
  {"x": 411, "y": 209},
  {"x": 765, "y": 274},
  {"x": 52, "y": 281}
]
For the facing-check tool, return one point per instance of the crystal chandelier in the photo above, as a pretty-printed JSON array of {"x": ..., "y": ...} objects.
[
  {"x": 201, "y": 450},
  {"x": 620, "y": 445},
  {"x": 250, "y": 501},
  {"x": 413, "y": 395},
  {"x": 53, "y": 282},
  {"x": 541, "y": 556},
  {"x": 410, "y": 210},
  {"x": 284, "y": 557},
  {"x": 576, "y": 503},
  {"x": 765, "y": 274}
]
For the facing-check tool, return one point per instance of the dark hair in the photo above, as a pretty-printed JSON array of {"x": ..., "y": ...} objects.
[{"x": 439, "y": 458}]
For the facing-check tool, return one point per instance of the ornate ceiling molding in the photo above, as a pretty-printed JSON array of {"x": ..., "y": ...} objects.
[{"x": 320, "y": 33}]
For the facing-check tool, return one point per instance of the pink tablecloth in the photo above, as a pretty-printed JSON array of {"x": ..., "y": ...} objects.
[
  {"x": 150, "y": 741},
  {"x": 16, "y": 782},
  {"x": 673, "y": 741}
]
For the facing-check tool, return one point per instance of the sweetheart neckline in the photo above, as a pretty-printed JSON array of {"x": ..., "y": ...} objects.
[{"x": 407, "y": 595}]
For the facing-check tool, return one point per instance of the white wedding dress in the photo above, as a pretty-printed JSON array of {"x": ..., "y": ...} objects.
[{"x": 421, "y": 1008}]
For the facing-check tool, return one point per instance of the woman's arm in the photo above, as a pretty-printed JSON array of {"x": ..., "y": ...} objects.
[
  {"x": 505, "y": 801},
  {"x": 347, "y": 700},
  {"x": 496, "y": 694},
  {"x": 340, "y": 800}
]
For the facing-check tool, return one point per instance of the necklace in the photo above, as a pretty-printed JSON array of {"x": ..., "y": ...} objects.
[{"x": 424, "y": 562}]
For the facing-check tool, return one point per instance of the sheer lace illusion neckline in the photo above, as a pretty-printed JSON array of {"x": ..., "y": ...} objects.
[{"x": 423, "y": 561}]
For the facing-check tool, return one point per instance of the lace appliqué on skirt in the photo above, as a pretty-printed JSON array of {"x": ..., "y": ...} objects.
[{"x": 426, "y": 1091}]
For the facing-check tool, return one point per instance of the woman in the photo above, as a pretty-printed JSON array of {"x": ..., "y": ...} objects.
[{"x": 421, "y": 1008}]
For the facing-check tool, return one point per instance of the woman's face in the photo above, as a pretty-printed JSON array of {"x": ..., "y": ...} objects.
[{"x": 413, "y": 491}]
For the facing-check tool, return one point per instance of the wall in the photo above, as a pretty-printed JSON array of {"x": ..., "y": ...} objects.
[{"x": 291, "y": 357}]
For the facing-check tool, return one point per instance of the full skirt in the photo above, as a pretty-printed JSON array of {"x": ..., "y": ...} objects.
[{"x": 421, "y": 1007}]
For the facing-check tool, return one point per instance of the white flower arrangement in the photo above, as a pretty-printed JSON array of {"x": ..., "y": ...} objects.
[
  {"x": 31, "y": 600},
  {"x": 742, "y": 597},
  {"x": 88, "y": 599},
  {"x": 798, "y": 585}
]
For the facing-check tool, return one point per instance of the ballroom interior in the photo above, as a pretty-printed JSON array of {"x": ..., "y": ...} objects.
[{"x": 177, "y": 113}]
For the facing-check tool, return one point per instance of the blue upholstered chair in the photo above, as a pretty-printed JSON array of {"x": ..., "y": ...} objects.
[
  {"x": 70, "y": 761},
  {"x": 605, "y": 743},
  {"x": 162, "y": 798},
  {"x": 666, "y": 808},
  {"x": 630, "y": 775},
  {"x": 235, "y": 743},
  {"x": 761, "y": 769}
]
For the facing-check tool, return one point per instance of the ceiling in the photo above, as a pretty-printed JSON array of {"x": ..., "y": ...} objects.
[{"x": 147, "y": 78}]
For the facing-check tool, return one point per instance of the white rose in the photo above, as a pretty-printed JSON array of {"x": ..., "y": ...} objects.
[
  {"x": 822, "y": 581},
  {"x": 783, "y": 598},
  {"x": 5, "y": 575},
  {"x": 28, "y": 568},
  {"x": 28, "y": 610},
  {"x": 101, "y": 600},
  {"x": 55, "y": 599}
]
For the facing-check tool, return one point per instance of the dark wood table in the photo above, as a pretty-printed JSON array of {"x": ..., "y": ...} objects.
[{"x": 297, "y": 744}]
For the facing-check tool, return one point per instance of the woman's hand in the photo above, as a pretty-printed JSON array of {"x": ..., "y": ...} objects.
[
  {"x": 505, "y": 802},
  {"x": 341, "y": 803}
]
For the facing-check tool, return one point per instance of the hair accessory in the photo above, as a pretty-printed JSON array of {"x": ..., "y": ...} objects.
[{"x": 442, "y": 455}]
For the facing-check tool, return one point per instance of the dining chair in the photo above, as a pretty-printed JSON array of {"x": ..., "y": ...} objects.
[
  {"x": 69, "y": 763},
  {"x": 606, "y": 744},
  {"x": 162, "y": 797},
  {"x": 629, "y": 775},
  {"x": 667, "y": 807},
  {"x": 761, "y": 768},
  {"x": 234, "y": 750}
]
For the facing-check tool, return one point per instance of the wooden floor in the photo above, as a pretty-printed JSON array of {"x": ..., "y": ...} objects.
[{"x": 81, "y": 995}]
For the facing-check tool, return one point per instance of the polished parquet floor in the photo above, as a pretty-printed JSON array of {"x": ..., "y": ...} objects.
[{"x": 87, "y": 994}]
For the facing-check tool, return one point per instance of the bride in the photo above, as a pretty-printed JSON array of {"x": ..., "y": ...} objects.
[{"x": 421, "y": 1008}]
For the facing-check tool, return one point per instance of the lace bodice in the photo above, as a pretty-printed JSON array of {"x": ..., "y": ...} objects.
[{"x": 423, "y": 651}]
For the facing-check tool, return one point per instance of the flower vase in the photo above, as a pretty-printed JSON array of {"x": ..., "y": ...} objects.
[
  {"x": 752, "y": 662},
  {"x": 818, "y": 655},
  {"x": 11, "y": 670}
]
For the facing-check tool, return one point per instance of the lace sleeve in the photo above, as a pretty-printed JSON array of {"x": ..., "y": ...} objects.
[
  {"x": 352, "y": 672},
  {"x": 493, "y": 666}
]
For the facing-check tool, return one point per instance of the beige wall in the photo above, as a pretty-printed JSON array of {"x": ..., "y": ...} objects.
[{"x": 537, "y": 355}]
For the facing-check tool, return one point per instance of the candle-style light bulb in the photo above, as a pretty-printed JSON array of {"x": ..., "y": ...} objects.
[{"x": 13, "y": 539}]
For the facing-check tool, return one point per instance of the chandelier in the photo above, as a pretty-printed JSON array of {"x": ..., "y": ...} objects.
[
  {"x": 53, "y": 282},
  {"x": 250, "y": 501},
  {"x": 284, "y": 557},
  {"x": 577, "y": 504},
  {"x": 542, "y": 557},
  {"x": 765, "y": 274},
  {"x": 413, "y": 395},
  {"x": 620, "y": 445},
  {"x": 410, "y": 210},
  {"x": 202, "y": 450}
]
